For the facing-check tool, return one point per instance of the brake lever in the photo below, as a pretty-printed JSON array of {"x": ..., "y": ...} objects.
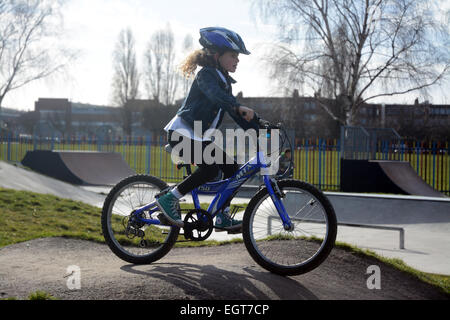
[{"x": 264, "y": 123}]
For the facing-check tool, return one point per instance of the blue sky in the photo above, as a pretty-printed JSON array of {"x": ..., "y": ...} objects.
[{"x": 93, "y": 25}]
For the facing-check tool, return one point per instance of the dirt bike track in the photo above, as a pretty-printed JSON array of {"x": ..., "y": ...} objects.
[{"x": 204, "y": 273}]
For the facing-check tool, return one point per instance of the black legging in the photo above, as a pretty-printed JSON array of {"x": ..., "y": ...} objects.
[{"x": 205, "y": 172}]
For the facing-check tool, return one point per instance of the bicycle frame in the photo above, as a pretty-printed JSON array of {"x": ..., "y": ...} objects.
[{"x": 225, "y": 190}]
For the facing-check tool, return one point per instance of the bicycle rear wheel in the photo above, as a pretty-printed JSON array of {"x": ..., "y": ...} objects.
[
  {"x": 303, "y": 247},
  {"x": 132, "y": 241}
]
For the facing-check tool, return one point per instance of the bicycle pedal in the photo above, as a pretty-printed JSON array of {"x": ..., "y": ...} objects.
[{"x": 238, "y": 231}]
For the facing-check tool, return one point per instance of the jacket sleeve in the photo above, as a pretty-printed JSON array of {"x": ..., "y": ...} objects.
[{"x": 210, "y": 87}]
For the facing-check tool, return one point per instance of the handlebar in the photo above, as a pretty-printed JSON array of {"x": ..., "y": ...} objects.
[
  {"x": 258, "y": 123},
  {"x": 261, "y": 123},
  {"x": 265, "y": 124}
]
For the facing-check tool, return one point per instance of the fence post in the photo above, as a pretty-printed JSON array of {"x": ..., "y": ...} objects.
[
  {"x": 160, "y": 156},
  {"x": 134, "y": 145},
  {"x": 147, "y": 154},
  {"x": 8, "y": 148},
  {"x": 306, "y": 160},
  {"x": 338, "y": 163},
  {"x": 99, "y": 143},
  {"x": 52, "y": 146},
  {"x": 402, "y": 148},
  {"x": 448, "y": 167},
  {"x": 434, "y": 163},
  {"x": 320, "y": 163},
  {"x": 417, "y": 149},
  {"x": 34, "y": 142}
]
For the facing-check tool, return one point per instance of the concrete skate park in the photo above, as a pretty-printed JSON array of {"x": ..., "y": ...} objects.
[{"x": 413, "y": 228}]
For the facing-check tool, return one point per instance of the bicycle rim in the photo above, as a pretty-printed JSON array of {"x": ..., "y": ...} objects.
[
  {"x": 132, "y": 247},
  {"x": 304, "y": 246}
]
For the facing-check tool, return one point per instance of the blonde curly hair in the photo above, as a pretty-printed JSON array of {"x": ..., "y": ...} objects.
[{"x": 201, "y": 57}]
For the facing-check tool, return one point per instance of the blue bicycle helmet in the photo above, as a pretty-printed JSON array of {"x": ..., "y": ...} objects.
[{"x": 220, "y": 40}]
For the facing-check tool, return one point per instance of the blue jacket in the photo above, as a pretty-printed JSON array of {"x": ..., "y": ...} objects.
[{"x": 207, "y": 96}]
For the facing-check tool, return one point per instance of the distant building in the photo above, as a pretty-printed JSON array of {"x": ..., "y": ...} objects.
[
  {"x": 300, "y": 114},
  {"x": 53, "y": 116},
  {"x": 61, "y": 116},
  {"x": 409, "y": 119},
  {"x": 9, "y": 119},
  {"x": 94, "y": 120}
]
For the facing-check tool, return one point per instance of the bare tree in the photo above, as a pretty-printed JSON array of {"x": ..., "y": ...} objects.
[
  {"x": 160, "y": 75},
  {"x": 354, "y": 51},
  {"x": 28, "y": 121},
  {"x": 126, "y": 78},
  {"x": 28, "y": 50},
  {"x": 188, "y": 45},
  {"x": 60, "y": 121}
]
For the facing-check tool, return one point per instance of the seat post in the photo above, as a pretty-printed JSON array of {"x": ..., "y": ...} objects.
[{"x": 180, "y": 164}]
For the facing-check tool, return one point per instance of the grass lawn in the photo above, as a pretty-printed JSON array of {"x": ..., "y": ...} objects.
[{"x": 26, "y": 216}]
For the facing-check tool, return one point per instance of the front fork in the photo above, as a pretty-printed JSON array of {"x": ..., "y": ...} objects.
[{"x": 276, "y": 194}]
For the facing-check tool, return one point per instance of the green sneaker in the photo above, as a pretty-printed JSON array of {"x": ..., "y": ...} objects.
[
  {"x": 226, "y": 223},
  {"x": 168, "y": 204}
]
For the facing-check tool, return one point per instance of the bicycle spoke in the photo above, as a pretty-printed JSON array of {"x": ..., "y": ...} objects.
[
  {"x": 131, "y": 238},
  {"x": 295, "y": 246}
]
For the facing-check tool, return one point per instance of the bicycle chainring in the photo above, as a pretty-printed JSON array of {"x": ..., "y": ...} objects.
[{"x": 198, "y": 225}]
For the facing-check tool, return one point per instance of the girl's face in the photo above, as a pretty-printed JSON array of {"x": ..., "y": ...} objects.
[{"x": 229, "y": 61}]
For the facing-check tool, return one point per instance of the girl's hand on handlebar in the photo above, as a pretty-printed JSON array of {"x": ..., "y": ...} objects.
[{"x": 246, "y": 113}]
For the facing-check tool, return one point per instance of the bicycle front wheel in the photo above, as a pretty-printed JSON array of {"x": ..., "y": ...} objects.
[
  {"x": 131, "y": 241},
  {"x": 302, "y": 247}
]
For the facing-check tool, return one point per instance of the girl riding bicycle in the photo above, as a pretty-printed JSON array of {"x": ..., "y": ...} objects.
[{"x": 210, "y": 96}]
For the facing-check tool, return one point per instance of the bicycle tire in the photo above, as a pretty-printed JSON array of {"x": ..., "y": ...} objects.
[
  {"x": 107, "y": 228},
  {"x": 256, "y": 247}
]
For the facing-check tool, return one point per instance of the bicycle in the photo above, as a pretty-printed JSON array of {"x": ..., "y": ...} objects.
[{"x": 289, "y": 226}]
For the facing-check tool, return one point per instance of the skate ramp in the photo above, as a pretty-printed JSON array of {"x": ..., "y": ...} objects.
[
  {"x": 17, "y": 178},
  {"x": 397, "y": 177},
  {"x": 403, "y": 175},
  {"x": 79, "y": 167}
]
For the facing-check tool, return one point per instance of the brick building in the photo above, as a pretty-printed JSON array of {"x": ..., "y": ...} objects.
[{"x": 63, "y": 117}]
